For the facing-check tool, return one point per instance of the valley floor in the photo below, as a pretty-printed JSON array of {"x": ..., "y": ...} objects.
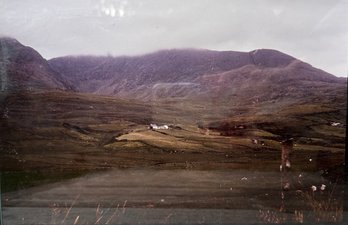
[
  {"x": 176, "y": 197},
  {"x": 67, "y": 155}
]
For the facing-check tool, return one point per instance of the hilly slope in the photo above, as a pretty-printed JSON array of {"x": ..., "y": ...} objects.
[
  {"x": 262, "y": 89},
  {"x": 23, "y": 68},
  {"x": 129, "y": 75},
  {"x": 225, "y": 110},
  {"x": 199, "y": 75},
  {"x": 257, "y": 88}
]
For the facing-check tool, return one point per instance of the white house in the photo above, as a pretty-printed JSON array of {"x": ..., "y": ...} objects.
[
  {"x": 156, "y": 127},
  {"x": 335, "y": 124}
]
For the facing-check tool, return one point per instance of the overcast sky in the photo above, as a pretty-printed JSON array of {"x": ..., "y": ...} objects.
[{"x": 315, "y": 31}]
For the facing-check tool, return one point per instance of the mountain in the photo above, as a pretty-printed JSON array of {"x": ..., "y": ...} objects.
[
  {"x": 130, "y": 75},
  {"x": 228, "y": 77},
  {"x": 260, "y": 75},
  {"x": 262, "y": 89},
  {"x": 23, "y": 68},
  {"x": 258, "y": 97}
]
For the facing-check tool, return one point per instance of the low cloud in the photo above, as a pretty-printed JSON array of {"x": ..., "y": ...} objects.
[{"x": 312, "y": 30}]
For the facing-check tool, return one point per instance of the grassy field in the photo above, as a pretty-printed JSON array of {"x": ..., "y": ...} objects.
[
  {"x": 72, "y": 133},
  {"x": 66, "y": 157}
]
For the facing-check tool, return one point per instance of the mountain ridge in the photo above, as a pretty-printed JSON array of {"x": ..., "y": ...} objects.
[
  {"x": 191, "y": 74},
  {"x": 24, "y": 68}
]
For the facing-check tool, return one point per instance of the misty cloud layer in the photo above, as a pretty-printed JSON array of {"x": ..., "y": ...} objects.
[{"x": 313, "y": 30}]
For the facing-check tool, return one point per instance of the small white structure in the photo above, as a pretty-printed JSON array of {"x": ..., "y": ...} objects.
[
  {"x": 156, "y": 127},
  {"x": 335, "y": 124},
  {"x": 323, "y": 186}
]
